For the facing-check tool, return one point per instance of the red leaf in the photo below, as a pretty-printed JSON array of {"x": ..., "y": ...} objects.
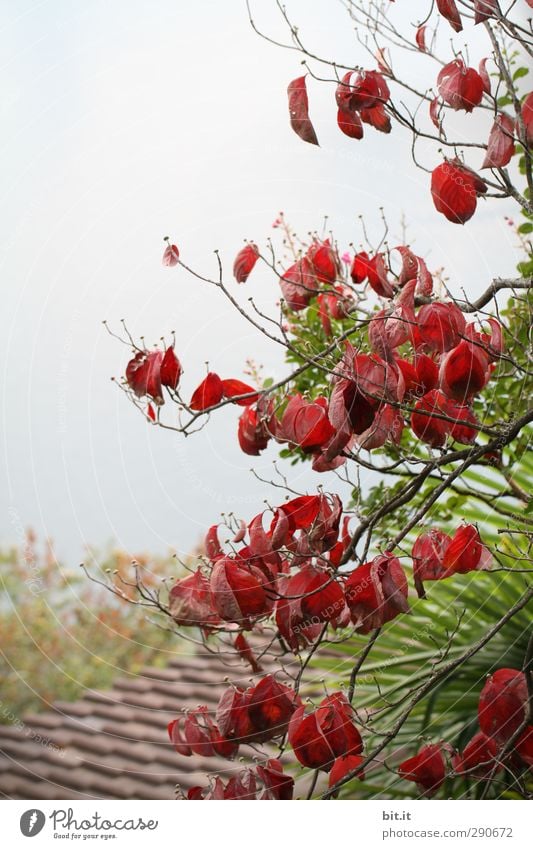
[
  {"x": 421, "y": 38},
  {"x": 464, "y": 553},
  {"x": 271, "y": 706},
  {"x": 377, "y": 276},
  {"x": 427, "y": 769},
  {"x": 360, "y": 267},
  {"x": 277, "y": 784},
  {"x": 434, "y": 113},
  {"x": 484, "y": 9},
  {"x": 208, "y": 393},
  {"x": 190, "y": 602},
  {"x": 299, "y": 111},
  {"x": 255, "y": 428},
  {"x": 464, "y": 371},
  {"x": 344, "y": 765},
  {"x": 143, "y": 374},
  {"x": 478, "y": 756},
  {"x": 460, "y": 87},
  {"x": 376, "y": 592},
  {"x": 428, "y": 552},
  {"x": 244, "y": 262},
  {"x": 368, "y": 88},
  {"x": 171, "y": 256},
  {"x": 448, "y": 10},
  {"x": 170, "y": 369},
  {"x": 483, "y": 73},
  {"x": 386, "y": 425},
  {"x": 322, "y": 597},
  {"x": 151, "y": 413},
  {"x": 502, "y": 704},
  {"x": 454, "y": 189},
  {"x": 527, "y": 117},
  {"x": 243, "y": 647},
  {"x": 325, "y": 734},
  {"x": 301, "y": 511},
  {"x": 377, "y": 117},
  {"x": 212, "y": 544},
  {"x": 324, "y": 261},
  {"x": 500, "y": 147},
  {"x": 429, "y": 428},
  {"x": 298, "y": 284},
  {"x": 237, "y": 592},
  {"x": 232, "y": 388},
  {"x": 343, "y": 93},
  {"x": 350, "y": 124},
  {"x": 305, "y": 424}
]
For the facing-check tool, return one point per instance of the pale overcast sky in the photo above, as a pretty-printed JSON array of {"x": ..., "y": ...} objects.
[{"x": 123, "y": 122}]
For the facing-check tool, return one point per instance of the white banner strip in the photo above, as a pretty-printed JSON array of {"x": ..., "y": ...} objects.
[{"x": 219, "y": 824}]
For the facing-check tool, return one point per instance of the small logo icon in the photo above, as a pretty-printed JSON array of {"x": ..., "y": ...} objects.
[{"x": 32, "y": 822}]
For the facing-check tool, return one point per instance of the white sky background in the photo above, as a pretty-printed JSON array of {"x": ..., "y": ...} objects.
[{"x": 123, "y": 122}]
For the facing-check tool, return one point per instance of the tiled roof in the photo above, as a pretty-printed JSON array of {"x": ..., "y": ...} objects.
[{"x": 114, "y": 744}]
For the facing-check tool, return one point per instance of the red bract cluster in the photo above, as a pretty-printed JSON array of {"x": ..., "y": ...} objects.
[
  {"x": 361, "y": 98},
  {"x": 254, "y": 581},
  {"x": 335, "y": 304},
  {"x": 149, "y": 371},
  {"x": 273, "y": 784},
  {"x": 255, "y": 715},
  {"x": 436, "y": 555},
  {"x": 376, "y": 592},
  {"x": 289, "y": 572},
  {"x": 305, "y": 424},
  {"x": 504, "y": 738},
  {"x": 452, "y": 363},
  {"x": 327, "y": 733},
  {"x": 212, "y": 390},
  {"x": 300, "y": 283},
  {"x": 256, "y": 427}
]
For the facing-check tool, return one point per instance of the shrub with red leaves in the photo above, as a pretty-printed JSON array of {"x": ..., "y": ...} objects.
[{"x": 389, "y": 373}]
